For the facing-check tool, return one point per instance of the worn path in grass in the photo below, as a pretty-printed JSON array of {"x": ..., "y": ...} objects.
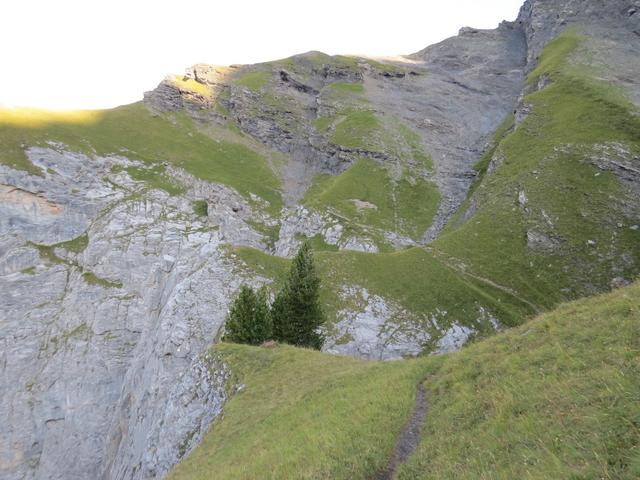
[
  {"x": 449, "y": 262},
  {"x": 408, "y": 438}
]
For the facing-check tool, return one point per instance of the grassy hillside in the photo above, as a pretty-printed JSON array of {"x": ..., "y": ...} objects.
[
  {"x": 365, "y": 195},
  {"x": 558, "y": 397},
  {"x": 135, "y": 132},
  {"x": 549, "y": 219},
  {"x": 552, "y": 219},
  {"x": 555, "y": 398},
  {"x": 387, "y": 186},
  {"x": 414, "y": 278}
]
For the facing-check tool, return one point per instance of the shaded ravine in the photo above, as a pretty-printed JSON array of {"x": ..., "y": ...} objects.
[{"x": 409, "y": 437}]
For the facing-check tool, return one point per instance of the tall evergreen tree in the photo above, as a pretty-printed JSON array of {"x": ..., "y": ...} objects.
[
  {"x": 296, "y": 311},
  {"x": 249, "y": 319}
]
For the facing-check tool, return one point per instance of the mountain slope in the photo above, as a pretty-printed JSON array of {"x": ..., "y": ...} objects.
[
  {"x": 555, "y": 398},
  {"x": 449, "y": 194},
  {"x": 559, "y": 191},
  {"x": 553, "y": 215}
]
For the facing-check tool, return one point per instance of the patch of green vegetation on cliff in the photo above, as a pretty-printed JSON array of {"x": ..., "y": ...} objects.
[
  {"x": 254, "y": 80},
  {"x": 92, "y": 279},
  {"x": 345, "y": 60},
  {"x": 200, "y": 208},
  {"x": 265, "y": 265},
  {"x": 555, "y": 58},
  {"x": 75, "y": 245},
  {"x": 482, "y": 165},
  {"x": 322, "y": 124},
  {"x": 135, "y": 132},
  {"x": 342, "y": 99},
  {"x": 365, "y": 194},
  {"x": 347, "y": 87},
  {"x": 270, "y": 232},
  {"x": 414, "y": 143},
  {"x": 385, "y": 67},
  {"x": 304, "y": 414},
  {"x": 284, "y": 109},
  {"x": 317, "y": 59},
  {"x": 318, "y": 243},
  {"x": 81, "y": 330},
  {"x": 554, "y": 398},
  {"x": 416, "y": 202},
  {"x": 359, "y": 130},
  {"x": 559, "y": 223},
  {"x": 47, "y": 254},
  {"x": 187, "y": 84}
]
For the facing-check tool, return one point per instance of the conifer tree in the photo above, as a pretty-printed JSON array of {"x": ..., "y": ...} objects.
[
  {"x": 296, "y": 311},
  {"x": 249, "y": 319}
]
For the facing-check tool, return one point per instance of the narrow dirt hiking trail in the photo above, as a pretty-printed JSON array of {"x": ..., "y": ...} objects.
[{"x": 409, "y": 437}]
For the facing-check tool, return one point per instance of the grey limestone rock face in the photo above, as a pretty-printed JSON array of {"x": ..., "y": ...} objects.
[
  {"x": 145, "y": 441},
  {"x": 542, "y": 20},
  {"x": 375, "y": 328},
  {"x": 59, "y": 206},
  {"x": 300, "y": 223},
  {"x": 473, "y": 81},
  {"x": 103, "y": 345},
  {"x": 370, "y": 326}
]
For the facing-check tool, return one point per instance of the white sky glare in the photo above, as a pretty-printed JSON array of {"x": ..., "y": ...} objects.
[{"x": 71, "y": 54}]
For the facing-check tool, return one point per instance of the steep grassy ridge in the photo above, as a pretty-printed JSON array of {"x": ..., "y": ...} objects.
[
  {"x": 306, "y": 415},
  {"x": 555, "y": 398},
  {"x": 558, "y": 397},
  {"x": 554, "y": 208}
]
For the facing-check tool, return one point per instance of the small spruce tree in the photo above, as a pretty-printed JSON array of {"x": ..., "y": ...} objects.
[
  {"x": 249, "y": 319},
  {"x": 296, "y": 310}
]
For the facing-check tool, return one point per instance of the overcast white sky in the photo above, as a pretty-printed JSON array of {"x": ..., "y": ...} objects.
[{"x": 97, "y": 54}]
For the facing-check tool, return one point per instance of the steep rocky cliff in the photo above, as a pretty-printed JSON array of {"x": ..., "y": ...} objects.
[{"x": 448, "y": 194}]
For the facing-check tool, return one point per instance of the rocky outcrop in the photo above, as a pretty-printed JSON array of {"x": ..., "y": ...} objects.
[
  {"x": 473, "y": 81},
  {"x": 375, "y": 328},
  {"x": 543, "y": 20}
]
